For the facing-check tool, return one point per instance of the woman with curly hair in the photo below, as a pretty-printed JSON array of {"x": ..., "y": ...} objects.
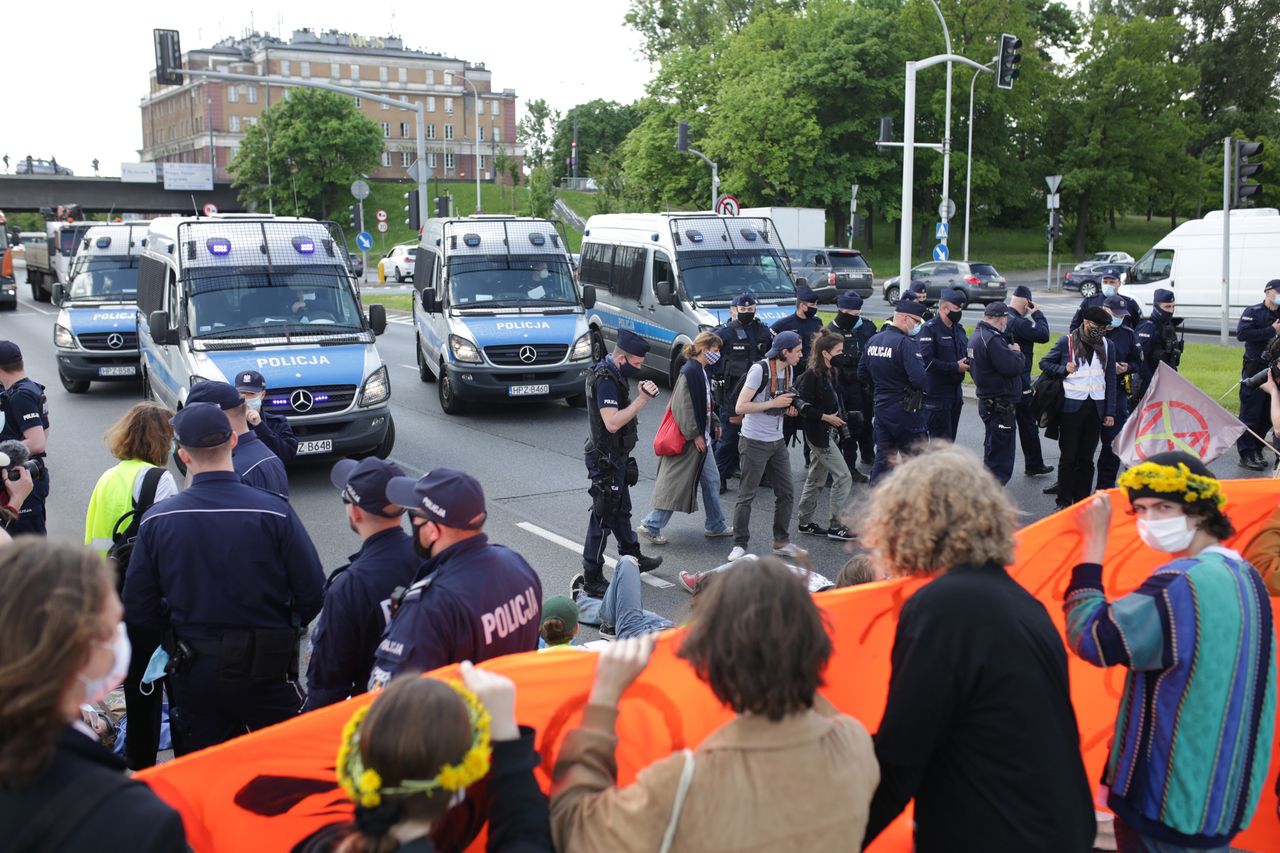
[
  {"x": 1193, "y": 737},
  {"x": 978, "y": 726}
]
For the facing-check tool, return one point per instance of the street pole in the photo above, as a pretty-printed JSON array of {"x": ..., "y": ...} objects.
[
  {"x": 475, "y": 163},
  {"x": 1223, "y": 336},
  {"x": 946, "y": 130},
  {"x": 968, "y": 162},
  {"x": 853, "y": 210},
  {"x": 1048, "y": 273},
  {"x": 575, "y": 151},
  {"x": 715, "y": 176}
]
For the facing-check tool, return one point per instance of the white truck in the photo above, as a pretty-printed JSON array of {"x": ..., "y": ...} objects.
[
  {"x": 49, "y": 263},
  {"x": 797, "y": 227}
]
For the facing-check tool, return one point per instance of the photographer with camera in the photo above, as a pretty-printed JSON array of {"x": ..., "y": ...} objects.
[
  {"x": 1257, "y": 330},
  {"x": 26, "y": 420},
  {"x": 17, "y": 487},
  {"x": 1158, "y": 338},
  {"x": 826, "y": 426}
]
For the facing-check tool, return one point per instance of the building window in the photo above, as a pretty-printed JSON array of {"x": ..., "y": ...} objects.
[
  {"x": 252, "y": 120},
  {"x": 482, "y": 162},
  {"x": 495, "y": 135},
  {"x": 335, "y": 70},
  {"x": 382, "y": 73},
  {"x": 253, "y": 94},
  {"x": 448, "y": 131},
  {"x": 481, "y": 132},
  {"x": 448, "y": 161},
  {"x": 404, "y": 158},
  {"x": 284, "y": 67},
  {"x": 386, "y": 130},
  {"x": 233, "y": 93},
  {"x": 496, "y": 104},
  {"x": 431, "y": 131},
  {"x": 431, "y": 160},
  {"x": 235, "y": 124},
  {"x": 404, "y": 130},
  {"x": 359, "y": 103},
  {"x": 431, "y": 103},
  {"x": 306, "y": 68},
  {"x": 448, "y": 78},
  {"x": 355, "y": 71},
  {"x": 431, "y": 76},
  {"x": 404, "y": 74},
  {"x": 386, "y": 158},
  {"x": 259, "y": 69},
  {"x": 404, "y": 99},
  {"x": 448, "y": 105}
]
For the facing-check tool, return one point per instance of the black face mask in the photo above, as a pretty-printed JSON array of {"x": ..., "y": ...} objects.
[
  {"x": 953, "y": 317},
  {"x": 746, "y": 318},
  {"x": 802, "y": 311},
  {"x": 1097, "y": 333},
  {"x": 421, "y": 552},
  {"x": 845, "y": 321}
]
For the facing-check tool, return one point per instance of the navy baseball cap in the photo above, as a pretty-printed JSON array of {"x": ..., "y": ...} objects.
[
  {"x": 1116, "y": 305},
  {"x": 744, "y": 300},
  {"x": 1274, "y": 284},
  {"x": 631, "y": 343},
  {"x": 9, "y": 352},
  {"x": 221, "y": 394},
  {"x": 1162, "y": 295},
  {"x": 917, "y": 287},
  {"x": 955, "y": 297},
  {"x": 908, "y": 306},
  {"x": 996, "y": 309},
  {"x": 250, "y": 380},
  {"x": 849, "y": 299},
  {"x": 201, "y": 425},
  {"x": 804, "y": 293},
  {"x": 446, "y": 496},
  {"x": 1023, "y": 291},
  {"x": 784, "y": 340},
  {"x": 363, "y": 482},
  {"x": 1110, "y": 272}
]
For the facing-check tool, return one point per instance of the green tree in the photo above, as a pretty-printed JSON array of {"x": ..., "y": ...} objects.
[
  {"x": 602, "y": 126},
  {"x": 316, "y": 143},
  {"x": 535, "y": 131},
  {"x": 542, "y": 192}
]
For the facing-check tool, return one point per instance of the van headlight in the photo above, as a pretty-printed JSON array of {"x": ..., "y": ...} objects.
[
  {"x": 62, "y": 337},
  {"x": 377, "y": 388},
  {"x": 464, "y": 350},
  {"x": 581, "y": 349}
]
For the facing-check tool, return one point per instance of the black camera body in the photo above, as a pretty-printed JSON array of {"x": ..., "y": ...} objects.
[
  {"x": 15, "y": 456},
  {"x": 1257, "y": 379}
]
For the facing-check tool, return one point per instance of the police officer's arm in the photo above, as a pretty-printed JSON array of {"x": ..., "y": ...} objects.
[
  {"x": 276, "y": 434},
  {"x": 1006, "y": 361},
  {"x": 864, "y": 369},
  {"x": 25, "y": 411},
  {"x": 1149, "y": 340},
  {"x": 1036, "y": 329},
  {"x": 615, "y": 418},
  {"x": 142, "y": 595},
  {"x": 928, "y": 346},
  {"x": 1110, "y": 373},
  {"x": 1255, "y": 327},
  {"x": 912, "y": 363},
  {"x": 302, "y": 567},
  {"x": 336, "y": 646}
]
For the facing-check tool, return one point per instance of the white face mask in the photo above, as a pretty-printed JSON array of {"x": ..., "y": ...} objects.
[
  {"x": 254, "y": 403},
  {"x": 1170, "y": 535},
  {"x": 96, "y": 689}
]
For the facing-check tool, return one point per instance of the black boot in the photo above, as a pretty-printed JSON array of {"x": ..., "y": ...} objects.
[
  {"x": 1052, "y": 490},
  {"x": 1040, "y": 469},
  {"x": 648, "y": 564}
]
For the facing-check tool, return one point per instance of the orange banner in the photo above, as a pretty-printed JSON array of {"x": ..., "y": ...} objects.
[{"x": 276, "y": 787}]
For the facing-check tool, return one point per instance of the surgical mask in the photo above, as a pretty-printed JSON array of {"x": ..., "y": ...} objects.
[
  {"x": 1108, "y": 290},
  {"x": 1116, "y": 322},
  {"x": 254, "y": 403},
  {"x": 155, "y": 670},
  {"x": 953, "y": 317},
  {"x": 628, "y": 370},
  {"x": 96, "y": 689},
  {"x": 712, "y": 356},
  {"x": 543, "y": 274},
  {"x": 915, "y": 330},
  {"x": 1170, "y": 535}
]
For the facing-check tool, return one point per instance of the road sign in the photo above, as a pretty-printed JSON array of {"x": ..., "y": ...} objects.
[
  {"x": 382, "y": 226},
  {"x": 942, "y": 231},
  {"x": 727, "y": 205},
  {"x": 947, "y": 210},
  {"x": 210, "y": 209},
  {"x": 1054, "y": 201},
  {"x": 382, "y": 215},
  {"x": 360, "y": 189},
  {"x": 940, "y": 252},
  {"x": 364, "y": 240},
  {"x": 1053, "y": 181}
]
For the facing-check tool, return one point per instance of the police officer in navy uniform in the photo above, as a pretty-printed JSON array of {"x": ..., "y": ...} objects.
[
  {"x": 26, "y": 419},
  {"x": 1110, "y": 286},
  {"x": 357, "y": 595},
  {"x": 917, "y": 292},
  {"x": 856, "y": 397},
  {"x": 945, "y": 350},
  {"x": 1028, "y": 327},
  {"x": 273, "y": 430},
  {"x": 229, "y": 575},
  {"x": 612, "y": 418},
  {"x": 256, "y": 464},
  {"x": 1158, "y": 339},
  {"x": 804, "y": 322},
  {"x": 892, "y": 363},
  {"x": 746, "y": 340},
  {"x": 1124, "y": 341},
  {"x": 470, "y": 600},
  {"x": 997, "y": 377},
  {"x": 1258, "y": 325}
]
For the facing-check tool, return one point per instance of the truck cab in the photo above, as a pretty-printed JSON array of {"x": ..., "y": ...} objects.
[
  {"x": 223, "y": 294},
  {"x": 63, "y": 238}
]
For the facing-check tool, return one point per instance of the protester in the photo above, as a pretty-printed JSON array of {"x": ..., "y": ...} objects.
[
  {"x": 799, "y": 563},
  {"x": 978, "y": 726},
  {"x": 680, "y": 477},
  {"x": 859, "y": 569},
  {"x": 1193, "y": 737},
  {"x": 62, "y": 645},
  {"x": 787, "y": 772},
  {"x": 559, "y": 623},
  {"x": 825, "y": 424}
]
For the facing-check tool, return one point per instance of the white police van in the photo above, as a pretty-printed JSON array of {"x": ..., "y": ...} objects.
[
  {"x": 669, "y": 276},
  {"x": 95, "y": 336},
  {"x": 497, "y": 313},
  {"x": 233, "y": 292}
]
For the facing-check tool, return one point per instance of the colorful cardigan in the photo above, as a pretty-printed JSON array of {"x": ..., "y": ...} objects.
[{"x": 1193, "y": 732}]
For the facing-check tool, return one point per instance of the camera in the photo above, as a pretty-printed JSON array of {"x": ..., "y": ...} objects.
[
  {"x": 1257, "y": 379},
  {"x": 14, "y": 455}
]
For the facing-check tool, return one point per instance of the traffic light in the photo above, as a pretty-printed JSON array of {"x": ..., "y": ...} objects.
[
  {"x": 1054, "y": 231},
  {"x": 1246, "y": 170},
  {"x": 1007, "y": 61},
  {"x": 682, "y": 137},
  {"x": 354, "y": 220},
  {"x": 411, "y": 210},
  {"x": 886, "y": 129},
  {"x": 442, "y": 206}
]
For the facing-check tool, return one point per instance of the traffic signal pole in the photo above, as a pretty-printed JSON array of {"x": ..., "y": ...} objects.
[{"x": 1227, "y": 180}]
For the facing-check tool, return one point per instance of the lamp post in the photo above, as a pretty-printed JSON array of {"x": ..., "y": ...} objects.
[
  {"x": 946, "y": 129},
  {"x": 968, "y": 160},
  {"x": 475, "y": 166}
]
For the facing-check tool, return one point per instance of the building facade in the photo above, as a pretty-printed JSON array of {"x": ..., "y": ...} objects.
[{"x": 185, "y": 123}]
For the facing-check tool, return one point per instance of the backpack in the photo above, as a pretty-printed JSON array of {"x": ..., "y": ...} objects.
[
  {"x": 122, "y": 541},
  {"x": 732, "y": 402}
]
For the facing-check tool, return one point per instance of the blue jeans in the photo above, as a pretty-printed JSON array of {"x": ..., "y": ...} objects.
[
  {"x": 624, "y": 605},
  {"x": 709, "y": 482}
]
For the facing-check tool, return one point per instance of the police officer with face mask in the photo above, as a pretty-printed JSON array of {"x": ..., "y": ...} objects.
[
  {"x": 746, "y": 340},
  {"x": 1258, "y": 326},
  {"x": 945, "y": 350},
  {"x": 857, "y": 333},
  {"x": 1158, "y": 338},
  {"x": 1124, "y": 341},
  {"x": 26, "y": 419},
  {"x": 804, "y": 322},
  {"x": 1110, "y": 286},
  {"x": 272, "y": 429},
  {"x": 997, "y": 377},
  {"x": 892, "y": 363},
  {"x": 1028, "y": 327}
]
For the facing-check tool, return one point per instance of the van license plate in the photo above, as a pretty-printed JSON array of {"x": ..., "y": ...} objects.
[
  {"x": 527, "y": 390},
  {"x": 126, "y": 370},
  {"x": 325, "y": 446}
]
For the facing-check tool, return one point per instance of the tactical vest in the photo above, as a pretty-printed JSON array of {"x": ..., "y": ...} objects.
[
  {"x": 739, "y": 352},
  {"x": 30, "y": 388},
  {"x": 846, "y": 363},
  {"x": 617, "y": 445}
]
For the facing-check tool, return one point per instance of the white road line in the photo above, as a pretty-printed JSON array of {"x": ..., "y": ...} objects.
[
  {"x": 412, "y": 367},
  {"x": 576, "y": 547},
  {"x": 37, "y": 310}
]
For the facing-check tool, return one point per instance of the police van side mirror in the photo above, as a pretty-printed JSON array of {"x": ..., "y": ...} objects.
[
  {"x": 158, "y": 323},
  {"x": 589, "y": 296},
  {"x": 429, "y": 302},
  {"x": 59, "y": 293},
  {"x": 665, "y": 292},
  {"x": 378, "y": 319}
]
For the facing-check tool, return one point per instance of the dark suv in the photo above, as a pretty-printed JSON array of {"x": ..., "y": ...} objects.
[
  {"x": 979, "y": 281},
  {"x": 841, "y": 269}
]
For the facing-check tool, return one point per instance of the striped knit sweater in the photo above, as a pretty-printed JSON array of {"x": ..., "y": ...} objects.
[{"x": 1193, "y": 732}]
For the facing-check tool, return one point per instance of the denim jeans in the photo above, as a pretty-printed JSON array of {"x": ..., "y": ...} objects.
[
  {"x": 709, "y": 483},
  {"x": 623, "y": 605}
]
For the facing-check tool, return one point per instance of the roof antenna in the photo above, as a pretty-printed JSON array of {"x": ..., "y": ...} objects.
[{"x": 193, "y": 206}]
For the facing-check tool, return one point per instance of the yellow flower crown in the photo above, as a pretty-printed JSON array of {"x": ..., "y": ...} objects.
[
  {"x": 1173, "y": 480},
  {"x": 364, "y": 786}
]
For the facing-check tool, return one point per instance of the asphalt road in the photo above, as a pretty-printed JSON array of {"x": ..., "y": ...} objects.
[{"x": 527, "y": 454}]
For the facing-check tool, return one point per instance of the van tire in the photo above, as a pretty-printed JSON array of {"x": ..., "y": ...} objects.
[
  {"x": 449, "y": 402},
  {"x": 424, "y": 372},
  {"x": 598, "y": 350},
  {"x": 73, "y": 386},
  {"x": 148, "y": 394},
  {"x": 384, "y": 449},
  {"x": 677, "y": 364},
  {"x": 891, "y": 295}
]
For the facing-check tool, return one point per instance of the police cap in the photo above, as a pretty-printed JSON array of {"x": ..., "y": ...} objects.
[
  {"x": 631, "y": 343},
  {"x": 1116, "y": 305},
  {"x": 250, "y": 380},
  {"x": 1023, "y": 291},
  {"x": 447, "y": 496},
  {"x": 784, "y": 341},
  {"x": 743, "y": 300},
  {"x": 804, "y": 293},
  {"x": 9, "y": 353},
  {"x": 201, "y": 425},
  {"x": 364, "y": 483},
  {"x": 221, "y": 394},
  {"x": 917, "y": 287},
  {"x": 908, "y": 306},
  {"x": 1110, "y": 272},
  {"x": 955, "y": 297},
  {"x": 1274, "y": 284},
  {"x": 996, "y": 309},
  {"x": 849, "y": 299},
  {"x": 1162, "y": 295}
]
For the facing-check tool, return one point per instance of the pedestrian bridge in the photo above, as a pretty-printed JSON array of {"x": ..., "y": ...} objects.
[{"x": 108, "y": 195}]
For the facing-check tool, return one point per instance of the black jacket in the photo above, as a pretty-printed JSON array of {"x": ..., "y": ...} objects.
[
  {"x": 818, "y": 394},
  {"x": 130, "y": 817}
]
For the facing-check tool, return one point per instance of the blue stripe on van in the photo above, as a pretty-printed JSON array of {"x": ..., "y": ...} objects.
[{"x": 652, "y": 331}]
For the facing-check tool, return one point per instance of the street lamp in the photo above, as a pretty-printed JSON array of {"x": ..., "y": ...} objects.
[
  {"x": 968, "y": 160},
  {"x": 946, "y": 129},
  {"x": 475, "y": 138}
]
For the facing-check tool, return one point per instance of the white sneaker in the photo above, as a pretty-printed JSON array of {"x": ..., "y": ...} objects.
[
  {"x": 789, "y": 549},
  {"x": 649, "y": 536},
  {"x": 737, "y": 553}
]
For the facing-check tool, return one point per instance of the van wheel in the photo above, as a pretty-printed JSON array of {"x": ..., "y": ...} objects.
[
  {"x": 388, "y": 442},
  {"x": 424, "y": 372},
  {"x": 449, "y": 402},
  {"x": 1088, "y": 288},
  {"x": 891, "y": 295},
  {"x": 597, "y": 346},
  {"x": 36, "y": 280},
  {"x": 74, "y": 386},
  {"x": 677, "y": 364}
]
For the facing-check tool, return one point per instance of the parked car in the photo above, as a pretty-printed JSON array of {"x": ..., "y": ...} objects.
[
  {"x": 357, "y": 264},
  {"x": 834, "y": 268},
  {"x": 1089, "y": 281},
  {"x": 1103, "y": 258},
  {"x": 979, "y": 281},
  {"x": 398, "y": 263}
]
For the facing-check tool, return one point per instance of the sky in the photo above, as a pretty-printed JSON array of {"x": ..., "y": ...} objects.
[{"x": 82, "y": 71}]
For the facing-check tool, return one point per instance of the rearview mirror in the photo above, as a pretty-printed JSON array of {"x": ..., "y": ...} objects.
[
  {"x": 378, "y": 319},
  {"x": 665, "y": 292},
  {"x": 158, "y": 325},
  {"x": 429, "y": 302},
  {"x": 59, "y": 293},
  {"x": 589, "y": 296}
]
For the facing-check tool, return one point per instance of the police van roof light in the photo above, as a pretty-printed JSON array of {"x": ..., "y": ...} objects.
[
  {"x": 749, "y": 235},
  {"x": 303, "y": 245},
  {"x": 103, "y": 242},
  {"x": 537, "y": 239},
  {"x": 694, "y": 236},
  {"x": 654, "y": 236},
  {"x": 216, "y": 245},
  {"x": 471, "y": 239}
]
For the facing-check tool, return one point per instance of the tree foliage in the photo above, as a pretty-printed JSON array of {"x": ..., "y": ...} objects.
[
  {"x": 602, "y": 126},
  {"x": 535, "y": 131}
]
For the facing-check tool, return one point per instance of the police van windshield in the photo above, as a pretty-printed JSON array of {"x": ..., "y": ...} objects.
[
  {"x": 105, "y": 280},
  {"x": 508, "y": 281},
  {"x": 721, "y": 275},
  {"x": 262, "y": 302}
]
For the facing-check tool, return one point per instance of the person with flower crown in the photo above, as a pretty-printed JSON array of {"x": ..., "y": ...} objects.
[{"x": 1193, "y": 734}]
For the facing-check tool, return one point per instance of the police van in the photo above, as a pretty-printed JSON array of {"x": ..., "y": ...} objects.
[
  {"x": 669, "y": 276},
  {"x": 497, "y": 314},
  {"x": 233, "y": 292},
  {"x": 95, "y": 337}
]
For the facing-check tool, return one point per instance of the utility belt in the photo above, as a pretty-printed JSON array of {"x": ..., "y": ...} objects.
[
  {"x": 997, "y": 406},
  {"x": 250, "y": 654},
  {"x": 606, "y": 494}
]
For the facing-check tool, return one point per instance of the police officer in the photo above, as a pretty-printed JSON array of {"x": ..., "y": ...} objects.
[
  {"x": 229, "y": 575},
  {"x": 471, "y": 600},
  {"x": 892, "y": 363},
  {"x": 611, "y": 415},
  {"x": 945, "y": 350},
  {"x": 26, "y": 419},
  {"x": 1124, "y": 341},
  {"x": 745, "y": 342},
  {"x": 1028, "y": 327},
  {"x": 254, "y": 461},
  {"x": 1110, "y": 286},
  {"x": 272, "y": 429},
  {"x": 917, "y": 292},
  {"x": 1158, "y": 339},
  {"x": 1258, "y": 326},
  {"x": 857, "y": 332},
  {"x": 353, "y": 620},
  {"x": 804, "y": 322},
  {"x": 997, "y": 377}
]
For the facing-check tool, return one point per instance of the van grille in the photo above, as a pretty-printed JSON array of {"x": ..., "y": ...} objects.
[
  {"x": 98, "y": 341},
  {"x": 509, "y": 355},
  {"x": 323, "y": 399}
]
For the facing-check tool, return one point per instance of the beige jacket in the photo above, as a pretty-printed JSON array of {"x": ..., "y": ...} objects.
[{"x": 802, "y": 784}]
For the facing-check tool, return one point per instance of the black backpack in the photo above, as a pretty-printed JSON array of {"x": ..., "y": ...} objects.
[
  {"x": 122, "y": 540},
  {"x": 732, "y": 401}
]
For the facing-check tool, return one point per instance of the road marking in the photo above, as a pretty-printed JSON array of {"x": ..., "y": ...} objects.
[
  {"x": 530, "y": 527},
  {"x": 400, "y": 321},
  {"x": 37, "y": 310},
  {"x": 413, "y": 367}
]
